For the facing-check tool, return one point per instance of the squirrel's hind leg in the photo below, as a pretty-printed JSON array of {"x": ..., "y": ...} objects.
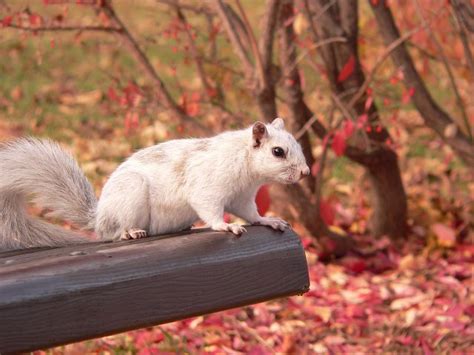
[{"x": 123, "y": 211}]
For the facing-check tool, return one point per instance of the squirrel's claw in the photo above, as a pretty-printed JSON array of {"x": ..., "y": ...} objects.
[
  {"x": 133, "y": 233},
  {"x": 274, "y": 222},
  {"x": 234, "y": 228}
]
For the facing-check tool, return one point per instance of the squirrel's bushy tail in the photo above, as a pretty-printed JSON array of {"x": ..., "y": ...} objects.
[{"x": 51, "y": 176}]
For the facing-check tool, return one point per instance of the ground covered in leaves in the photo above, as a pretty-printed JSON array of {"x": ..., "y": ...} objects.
[{"x": 383, "y": 299}]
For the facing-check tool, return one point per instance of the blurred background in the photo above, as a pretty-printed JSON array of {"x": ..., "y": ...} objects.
[{"x": 379, "y": 94}]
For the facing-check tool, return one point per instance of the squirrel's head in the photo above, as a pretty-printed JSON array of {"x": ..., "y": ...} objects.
[{"x": 277, "y": 156}]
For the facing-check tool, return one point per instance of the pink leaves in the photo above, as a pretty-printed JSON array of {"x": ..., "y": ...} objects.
[
  {"x": 347, "y": 69},
  {"x": 446, "y": 236},
  {"x": 407, "y": 95},
  {"x": 327, "y": 211},
  {"x": 339, "y": 143},
  {"x": 340, "y": 137},
  {"x": 191, "y": 103},
  {"x": 6, "y": 21}
]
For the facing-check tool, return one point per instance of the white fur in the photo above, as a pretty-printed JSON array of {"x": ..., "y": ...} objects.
[{"x": 167, "y": 187}]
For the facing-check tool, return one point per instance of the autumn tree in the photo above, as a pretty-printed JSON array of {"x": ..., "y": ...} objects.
[{"x": 250, "y": 71}]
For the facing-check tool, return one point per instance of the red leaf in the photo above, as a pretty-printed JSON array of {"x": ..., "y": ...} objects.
[
  {"x": 348, "y": 128},
  {"x": 315, "y": 169},
  {"x": 7, "y": 21},
  {"x": 362, "y": 120},
  {"x": 263, "y": 200},
  {"x": 35, "y": 20},
  {"x": 407, "y": 95},
  {"x": 327, "y": 211},
  {"x": 347, "y": 69},
  {"x": 354, "y": 264},
  {"x": 446, "y": 235},
  {"x": 339, "y": 143},
  {"x": 112, "y": 94},
  {"x": 368, "y": 103},
  {"x": 192, "y": 109}
]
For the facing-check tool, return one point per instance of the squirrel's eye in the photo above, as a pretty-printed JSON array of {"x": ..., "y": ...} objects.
[{"x": 278, "y": 152}]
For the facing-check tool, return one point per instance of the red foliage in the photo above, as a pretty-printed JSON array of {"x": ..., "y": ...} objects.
[
  {"x": 347, "y": 69},
  {"x": 339, "y": 143},
  {"x": 263, "y": 200},
  {"x": 354, "y": 264},
  {"x": 327, "y": 211},
  {"x": 7, "y": 20},
  {"x": 407, "y": 95}
]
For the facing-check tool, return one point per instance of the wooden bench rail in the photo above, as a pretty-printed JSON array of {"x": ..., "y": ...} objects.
[{"x": 56, "y": 296}]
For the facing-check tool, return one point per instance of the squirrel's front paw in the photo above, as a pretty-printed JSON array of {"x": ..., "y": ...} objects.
[
  {"x": 237, "y": 229},
  {"x": 273, "y": 222}
]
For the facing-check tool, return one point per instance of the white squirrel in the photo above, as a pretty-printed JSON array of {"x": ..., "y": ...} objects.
[{"x": 160, "y": 189}]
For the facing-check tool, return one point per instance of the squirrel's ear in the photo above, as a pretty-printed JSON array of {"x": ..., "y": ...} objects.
[
  {"x": 278, "y": 123},
  {"x": 259, "y": 132}
]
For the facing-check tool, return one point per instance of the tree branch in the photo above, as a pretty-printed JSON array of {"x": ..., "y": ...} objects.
[
  {"x": 194, "y": 51},
  {"x": 223, "y": 12},
  {"x": 454, "y": 86},
  {"x": 380, "y": 60},
  {"x": 71, "y": 28},
  {"x": 253, "y": 45},
  {"x": 266, "y": 39},
  {"x": 197, "y": 9},
  {"x": 432, "y": 114},
  {"x": 464, "y": 37},
  {"x": 145, "y": 63}
]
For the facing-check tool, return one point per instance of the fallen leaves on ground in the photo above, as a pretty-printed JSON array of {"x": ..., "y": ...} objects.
[{"x": 414, "y": 303}]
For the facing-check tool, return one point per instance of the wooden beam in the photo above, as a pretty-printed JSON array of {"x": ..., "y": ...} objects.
[{"x": 50, "y": 297}]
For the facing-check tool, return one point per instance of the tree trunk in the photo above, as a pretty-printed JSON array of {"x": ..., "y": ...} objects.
[{"x": 388, "y": 194}]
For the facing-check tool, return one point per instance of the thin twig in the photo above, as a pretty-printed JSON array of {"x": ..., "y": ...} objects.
[
  {"x": 306, "y": 127},
  {"x": 266, "y": 39},
  {"x": 194, "y": 52},
  {"x": 322, "y": 164},
  {"x": 197, "y": 9},
  {"x": 253, "y": 44},
  {"x": 70, "y": 28},
  {"x": 426, "y": 53},
  {"x": 234, "y": 38},
  {"x": 317, "y": 45},
  {"x": 464, "y": 39}
]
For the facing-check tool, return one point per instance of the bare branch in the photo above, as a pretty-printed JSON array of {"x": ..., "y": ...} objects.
[
  {"x": 70, "y": 28},
  {"x": 465, "y": 11},
  {"x": 266, "y": 39},
  {"x": 433, "y": 115},
  {"x": 317, "y": 45},
  {"x": 464, "y": 38},
  {"x": 294, "y": 98},
  {"x": 197, "y": 9},
  {"x": 194, "y": 51},
  {"x": 454, "y": 86},
  {"x": 253, "y": 45},
  {"x": 223, "y": 12}
]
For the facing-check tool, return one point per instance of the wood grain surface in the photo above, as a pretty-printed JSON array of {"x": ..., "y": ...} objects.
[{"x": 56, "y": 296}]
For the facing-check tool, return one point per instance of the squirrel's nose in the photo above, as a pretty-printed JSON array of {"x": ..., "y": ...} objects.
[{"x": 305, "y": 172}]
